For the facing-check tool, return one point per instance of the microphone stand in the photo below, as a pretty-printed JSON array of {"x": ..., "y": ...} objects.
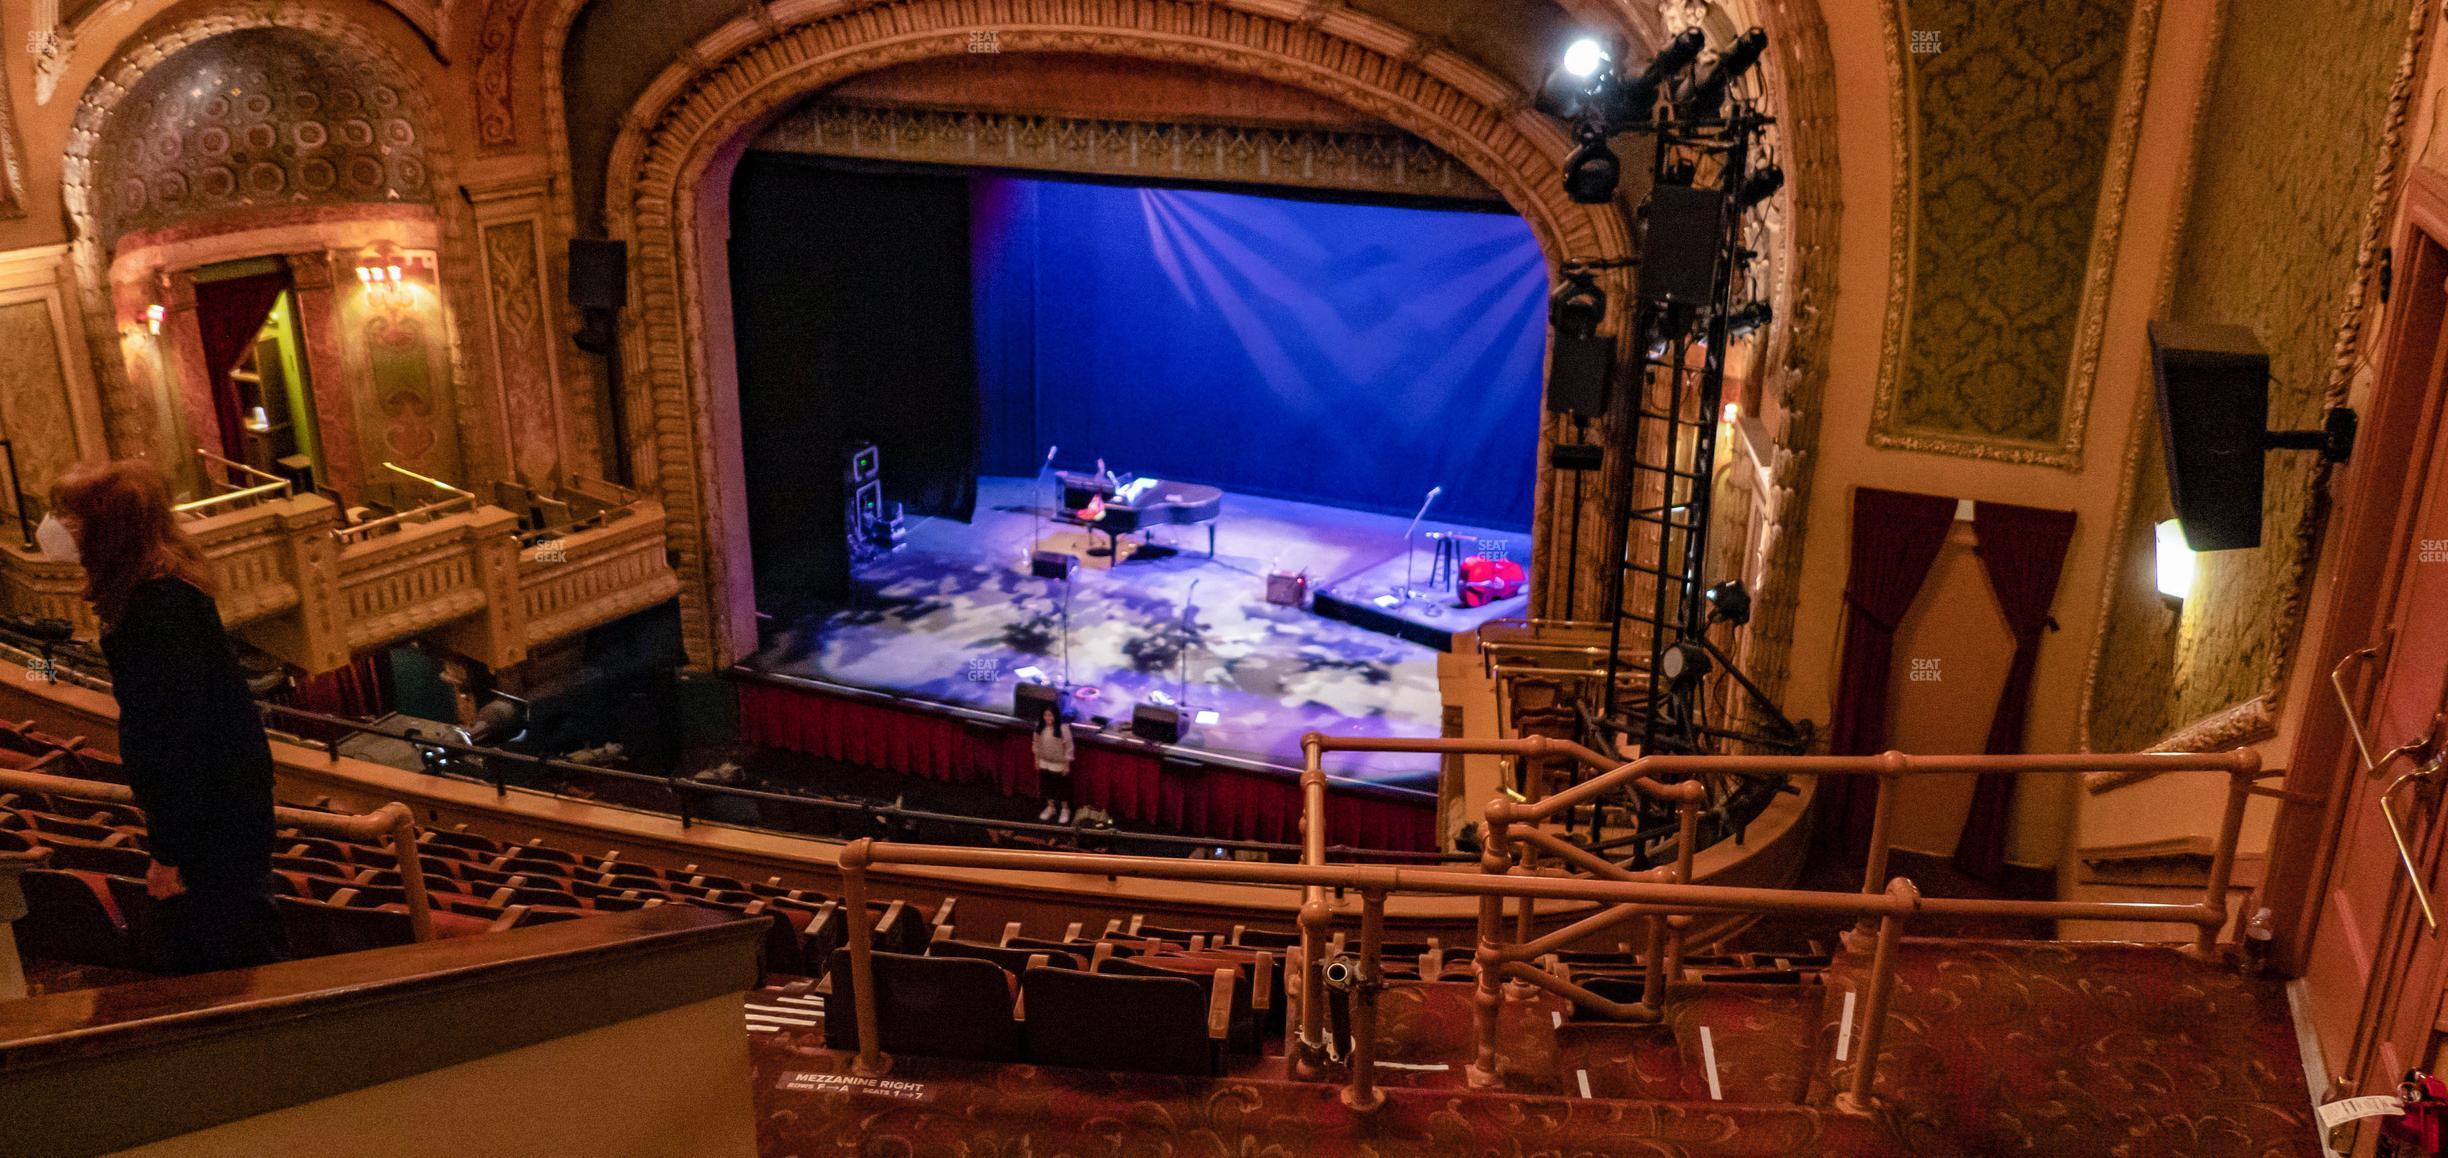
[
  {"x": 1037, "y": 531},
  {"x": 1189, "y": 613},
  {"x": 1411, "y": 556}
]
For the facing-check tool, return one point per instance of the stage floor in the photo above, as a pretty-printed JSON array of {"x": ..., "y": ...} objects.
[{"x": 954, "y": 614}]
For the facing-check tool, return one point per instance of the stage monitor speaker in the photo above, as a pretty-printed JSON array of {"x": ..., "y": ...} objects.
[
  {"x": 2213, "y": 384},
  {"x": 1028, "y": 699},
  {"x": 1679, "y": 250},
  {"x": 1577, "y": 374},
  {"x": 1050, "y": 564},
  {"x": 598, "y": 273},
  {"x": 1162, "y": 725}
]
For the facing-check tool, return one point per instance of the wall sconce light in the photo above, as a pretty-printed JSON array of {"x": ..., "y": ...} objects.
[
  {"x": 153, "y": 319},
  {"x": 2177, "y": 566},
  {"x": 386, "y": 277},
  {"x": 1733, "y": 412}
]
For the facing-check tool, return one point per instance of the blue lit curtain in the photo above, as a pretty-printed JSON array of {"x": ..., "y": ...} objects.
[{"x": 1348, "y": 354}]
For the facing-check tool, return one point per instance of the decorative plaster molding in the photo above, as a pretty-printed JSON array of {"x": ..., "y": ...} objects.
[
  {"x": 2246, "y": 723},
  {"x": 126, "y": 417},
  {"x": 2066, "y": 452},
  {"x": 1372, "y": 162}
]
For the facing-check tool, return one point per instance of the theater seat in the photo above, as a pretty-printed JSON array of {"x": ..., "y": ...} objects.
[
  {"x": 1012, "y": 960},
  {"x": 1100, "y": 1021},
  {"x": 1247, "y": 1031},
  {"x": 319, "y": 928},
  {"x": 952, "y": 1007},
  {"x": 101, "y": 858},
  {"x": 68, "y": 920}
]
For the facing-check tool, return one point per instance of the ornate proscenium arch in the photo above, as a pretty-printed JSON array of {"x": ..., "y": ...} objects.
[{"x": 682, "y": 140}]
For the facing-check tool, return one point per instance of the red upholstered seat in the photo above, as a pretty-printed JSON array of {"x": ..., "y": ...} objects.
[
  {"x": 68, "y": 918},
  {"x": 1070, "y": 1021},
  {"x": 953, "y": 1007}
]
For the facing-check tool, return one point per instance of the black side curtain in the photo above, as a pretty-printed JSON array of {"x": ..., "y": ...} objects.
[{"x": 851, "y": 315}]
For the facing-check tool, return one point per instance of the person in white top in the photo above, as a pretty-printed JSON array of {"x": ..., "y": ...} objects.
[{"x": 1052, "y": 746}]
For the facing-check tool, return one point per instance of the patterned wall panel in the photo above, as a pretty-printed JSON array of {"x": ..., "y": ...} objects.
[
  {"x": 523, "y": 347},
  {"x": 257, "y": 117},
  {"x": 2013, "y": 113},
  {"x": 34, "y": 411},
  {"x": 2283, "y": 191}
]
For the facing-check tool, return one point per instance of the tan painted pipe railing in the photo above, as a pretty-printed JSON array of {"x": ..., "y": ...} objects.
[
  {"x": 392, "y": 823},
  {"x": 1375, "y": 883}
]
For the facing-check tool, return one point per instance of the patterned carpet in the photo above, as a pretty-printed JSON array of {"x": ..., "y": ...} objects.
[
  {"x": 955, "y": 613},
  {"x": 1995, "y": 1048},
  {"x": 2010, "y": 1047}
]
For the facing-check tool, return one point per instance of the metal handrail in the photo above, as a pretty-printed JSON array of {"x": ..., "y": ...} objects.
[
  {"x": 1891, "y": 907},
  {"x": 393, "y": 822},
  {"x": 273, "y": 487},
  {"x": 495, "y": 759}
]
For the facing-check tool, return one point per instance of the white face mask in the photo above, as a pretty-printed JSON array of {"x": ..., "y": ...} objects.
[{"x": 57, "y": 544}]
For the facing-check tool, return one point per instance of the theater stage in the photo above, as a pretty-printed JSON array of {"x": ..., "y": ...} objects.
[{"x": 954, "y": 615}]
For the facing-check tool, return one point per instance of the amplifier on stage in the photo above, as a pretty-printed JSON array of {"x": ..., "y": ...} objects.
[{"x": 1289, "y": 588}]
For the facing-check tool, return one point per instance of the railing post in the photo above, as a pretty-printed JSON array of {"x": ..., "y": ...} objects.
[
  {"x": 1687, "y": 852},
  {"x": 1363, "y": 1093},
  {"x": 1309, "y": 1053},
  {"x": 1653, "y": 976},
  {"x": 871, "y": 1060},
  {"x": 411, "y": 870},
  {"x": 1856, "y": 1099},
  {"x": 2222, "y": 858},
  {"x": 1882, "y": 807},
  {"x": 1525, "y": 912},
  {"x": 1487, "y": 1003}
]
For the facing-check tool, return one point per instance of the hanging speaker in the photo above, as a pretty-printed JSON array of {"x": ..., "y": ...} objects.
[
  {"x": 2213, "y": 384},
  {"x": 598, "y": 273},
  {"x": 1577, "y": 373},
  {"x": 1679, "y": 249}
]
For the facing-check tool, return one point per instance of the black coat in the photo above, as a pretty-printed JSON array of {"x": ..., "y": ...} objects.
[{"x": 191, "y": 738}]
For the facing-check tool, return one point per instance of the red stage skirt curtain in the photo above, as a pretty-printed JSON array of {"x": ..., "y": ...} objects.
[
  {"x": 1896, "y": 537},
  {"x": 2022, "y": 550},
  {"x": 1134, "y": 784}
]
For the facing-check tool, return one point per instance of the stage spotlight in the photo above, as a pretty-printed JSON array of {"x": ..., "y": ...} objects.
[
  {"x": 1675, "y": 57},
  {"x": 1584, "y": 57},
  {"x": 1709, "y": 91},
  {"x": 1759, "y": 187},
  {"x": 1684, "y": 664},
  {"x": 1577, "y": 306},
  {"x": 1751, "y": 317},
  {"x": 1592, "y": 171},
  {"x": 1729, "y": 602}
]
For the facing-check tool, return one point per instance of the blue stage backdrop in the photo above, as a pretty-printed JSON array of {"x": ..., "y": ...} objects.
[{"x": 1348, "y": 354}]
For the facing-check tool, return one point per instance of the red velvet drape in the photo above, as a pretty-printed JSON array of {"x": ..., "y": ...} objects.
[
  {"x": 2022, "y": 550},
  {"x": 230, "y": 313},
  {"x": 1135, "y": 784},
  {"x": 1896, "y": 536}
]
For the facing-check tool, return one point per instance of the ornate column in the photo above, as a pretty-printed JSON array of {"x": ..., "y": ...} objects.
[
  {"x": 546, "y": 429},
  {"x": 330, "y": 377},
  {"x": 182, "y": 347}
]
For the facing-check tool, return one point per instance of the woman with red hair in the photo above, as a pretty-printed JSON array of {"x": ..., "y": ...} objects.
[{"x": 189, "y": 733}]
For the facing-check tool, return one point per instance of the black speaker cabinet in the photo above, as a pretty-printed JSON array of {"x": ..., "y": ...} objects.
[
  {"x": 1150, "y": 722},
  {"x": 1029, "y": 699},
  {"x": 2213, "y": 384},
  {"x": 1050, "y": 564},
  {"x": 1577, "y": 374},
  {"x": 1679, "y": 251},
  {"x": 598, "y": 273}
]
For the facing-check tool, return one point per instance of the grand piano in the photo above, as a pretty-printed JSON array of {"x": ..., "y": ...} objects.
[{"x": 1126, "y": 504}]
